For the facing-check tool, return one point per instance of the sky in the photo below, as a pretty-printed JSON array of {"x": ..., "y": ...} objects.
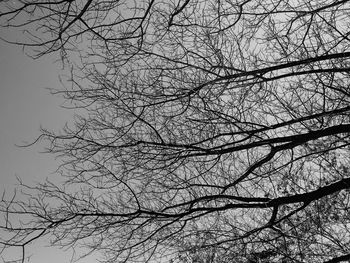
[{"x": 25, "y": 106}]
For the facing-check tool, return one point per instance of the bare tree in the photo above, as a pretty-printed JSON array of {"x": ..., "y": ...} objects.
[{"x": 209, "y": 131}]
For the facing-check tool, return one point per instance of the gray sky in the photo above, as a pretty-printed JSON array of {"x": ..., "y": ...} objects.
[{"x": 25, "y": 105}]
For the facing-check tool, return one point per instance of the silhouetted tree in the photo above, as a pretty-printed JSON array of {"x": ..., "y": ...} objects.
[{"x": 208, "y": 131}]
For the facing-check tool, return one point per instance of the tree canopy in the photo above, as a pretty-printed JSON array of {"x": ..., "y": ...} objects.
[{"x": 207, "y": 130}]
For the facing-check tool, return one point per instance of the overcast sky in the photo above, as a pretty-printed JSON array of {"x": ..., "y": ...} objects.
[{"x": 25, "y": 105}]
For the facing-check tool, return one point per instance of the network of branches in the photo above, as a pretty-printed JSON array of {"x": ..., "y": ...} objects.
[{"x": 208, "y": 130}]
